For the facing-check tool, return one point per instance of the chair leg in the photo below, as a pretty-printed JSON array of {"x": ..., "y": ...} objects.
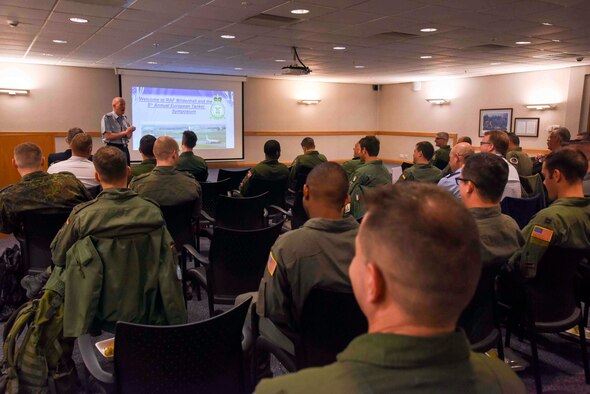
[
  {"x": 500, "y": 346},
  {"x": 211, "y": 301},
  {"x": 508, "y": 334},
  {"x": 583, "y": 346},
  {"x": 585, "y": 315},
  {"x": 536, "y": 371}
]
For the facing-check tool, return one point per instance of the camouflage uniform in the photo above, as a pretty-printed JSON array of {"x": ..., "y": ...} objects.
[
  {"x": 39, "y": 190},
  {"x": 371, "y": 174},
  {"x": 351, "y": 166},
  {"x": 521, "y": 161},
  {"x": 142, "y": 168},
  {"x": 565, "y": 223},
  {"x": 309, "y": 160},
  {"x": 168, "y": 186},
  {"x": 270, "y": 170},
  {"x": 421, "y": 173},
  {"x": 196, "y": 165},
  {"x": 441, "y": 157}
]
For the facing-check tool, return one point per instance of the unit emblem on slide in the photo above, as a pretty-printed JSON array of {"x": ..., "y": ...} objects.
[{"x": 217, "y": 109}]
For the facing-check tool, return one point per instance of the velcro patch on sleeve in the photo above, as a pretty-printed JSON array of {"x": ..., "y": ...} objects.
[{"x": 542, "y": 233}]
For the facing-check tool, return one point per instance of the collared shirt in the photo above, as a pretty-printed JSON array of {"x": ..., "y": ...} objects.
[
  {"x": 114, "y": 124},
  {"x": 196, "y": 165},
  {"x": 144, "y": 167},
  {"x": 449, "y": 182},
  {"x": 267, "y": 169},
  {"x": 421, "y": 173},
  {"x": 81, "y": 167},
  {"x": 308, "y": 160},
  {"x": 391, "y": 363},
  {"x": 513, "y": 187}
]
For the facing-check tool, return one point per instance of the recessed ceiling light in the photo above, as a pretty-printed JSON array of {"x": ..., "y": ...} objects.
[
  {"x": 359, "y": 66},
  {"x": 547, "y": 24},
  {"x": 79, "y": 20},
  {"x": 228, "y": 36},
  {"x": 339, "y": 48},
  {"x": 60, "y": 41},
  {"x": 280, "y": 60},
  {"x": 300, "y": 11},
  {"x": 238, "y": 68},
  {"x": 428, "y": 30},
  {"x": 522, "y": 42},
  {"x": 182, "y": 52},
  {"x": 426, "y": 57},
  {"x": 495, "y": 64},
  {"x": 47, "y": 54},
  {"x": 152, "y": 62},
  {"x": 556, "y": 40}
]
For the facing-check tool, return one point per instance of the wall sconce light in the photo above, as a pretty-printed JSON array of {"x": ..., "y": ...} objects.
[
  {"x": 309, "y": 101},
  {"x": 438, "y": 101},
  {"x": 540, "y": 107},
  {"x": 14, "y": 92}
]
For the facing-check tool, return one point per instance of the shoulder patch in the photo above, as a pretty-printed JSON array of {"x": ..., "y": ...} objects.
[
  {"x": 83, "y": 205},
  {"x": 548, "y": 220},
  {"x": 542, "y": 233},
  {"x": 513, "y": 160},
  {"x": 272, "y": 264}
]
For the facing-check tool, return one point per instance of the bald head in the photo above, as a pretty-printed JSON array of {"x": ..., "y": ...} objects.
[
  {"x": 166, "y": 151},
  {"x": 459, "y": 153},
  {"x": 326, "y": 187},
  {"x": 118, "y": 104}
]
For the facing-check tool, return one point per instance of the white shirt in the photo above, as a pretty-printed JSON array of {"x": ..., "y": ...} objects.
[
  {"x": 82, "y": 168},
  {"x": 513, "y": 188}
]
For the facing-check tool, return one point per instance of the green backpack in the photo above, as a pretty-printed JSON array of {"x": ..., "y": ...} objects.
[{"x": 43, "y": 362}]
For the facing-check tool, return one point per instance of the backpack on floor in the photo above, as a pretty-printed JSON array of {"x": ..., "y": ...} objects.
[
  {"x": 43, "y": 362},
  {"x": 12, "y": 295}
]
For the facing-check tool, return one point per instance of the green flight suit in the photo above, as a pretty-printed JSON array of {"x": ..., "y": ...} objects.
[
  {"x": 270, "y": 170},
  {"x": 421, "y": 173},
  {"x": 196, "y": 165},
  {"x": 167, "y": 186},
  {"x": 391, "y": 363},
  {"x": 142, "y": 168},
  {"x": 39, "y": 190},
  {"x": 565, "y": 223},
  {"x": 371, "y": 174},
  {"x": 521, "y": 161},
  {"x": 351, "y": 166},
  {"x": 309, "y": 159},
  {"x": 316, "y": 254},
  {"x": 441, "y": 157}
]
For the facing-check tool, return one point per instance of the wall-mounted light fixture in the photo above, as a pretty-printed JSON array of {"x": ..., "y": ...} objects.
[
  {"x": 14, "y": 92},
  {"x": 438, "y": 101},
  {"x": 309, "y": 101},
  {"x": 540, "y": 107}
]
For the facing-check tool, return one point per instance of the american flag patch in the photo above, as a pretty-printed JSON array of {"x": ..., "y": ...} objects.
[
  {"x": 542, "y": 233},
  {"x": 271, "y": 265}
]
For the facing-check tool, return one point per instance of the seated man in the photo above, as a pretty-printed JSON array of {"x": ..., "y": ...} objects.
[
  {"x": 115, "y": 215},
  {"x": 78, "y": 164},
  {"x": 305, "y": 162},
  {"x": 481, "y": 184},
  {"x": 515, "y": 156},
  {"x": 148, "y": 162},
  {"x": 165, "y": 184},
  {"x": 318, "y": 253},
  {"x": 350, "y": 166},
  {"x": 442, "y": 155},
  {"x": 422, "y": 170},
  {"x": 459, "y": 154},
  {"x": 37, "y": 189},
  {"x": 496, "y": 142},
  {"x": 188, "y": 161},
  {"x": 566, "y": 222},
  {"x": 371, "y": 174},
  {"x": 269, "y": 169},
  {"x": 412, "y": 302},
  {"x": 61, "y": 156}
]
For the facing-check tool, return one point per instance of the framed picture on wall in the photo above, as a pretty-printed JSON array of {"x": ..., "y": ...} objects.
[
  {"x": 495, "y": 119},
  {"x": 526, "y": 127}
]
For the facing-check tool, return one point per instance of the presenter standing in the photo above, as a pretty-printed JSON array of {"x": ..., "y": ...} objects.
[{"x": 116, "y": 129}]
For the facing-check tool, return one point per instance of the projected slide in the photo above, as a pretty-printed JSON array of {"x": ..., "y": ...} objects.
[{"x": 170, "y": 111}]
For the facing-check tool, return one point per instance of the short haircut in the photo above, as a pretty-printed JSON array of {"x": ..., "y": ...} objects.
[
  {"x": 74, "y": 131},
  {"x": 499, "y": 140},
  {"x": 371, "y": 144},
  {"x": 570, "y": 162},
  {"x": 466, "y": 139},
  {"x": 489, "y": 174},
  {"x": 82, "y": 144},
  {"x": 110, "y": 163},
  {"x": 146, "y": 145},
  {"x": 442, "y": 134},
  {"x": 272, "y": 149},
  {"x": 328, "y": 182},
  {"x": 563, "y": 133},
  {"x": 164, "y": 147},
  {"x": 28, "y": 155},
  {"x": 189, "y": 139},
  {"x": 513, "y": 138},
  {"x": 308, "y": 143},
  {"x": 426, "y": 149},
  {"x": 433, "y": 292}
]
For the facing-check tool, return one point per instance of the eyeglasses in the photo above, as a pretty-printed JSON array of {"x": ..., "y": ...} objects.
[
  {"x": 485, "y": 143},
  {"x": 464, "y": 180}
]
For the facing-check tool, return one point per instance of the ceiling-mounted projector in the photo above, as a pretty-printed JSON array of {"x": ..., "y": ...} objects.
[{"x": 296, "y": 68}]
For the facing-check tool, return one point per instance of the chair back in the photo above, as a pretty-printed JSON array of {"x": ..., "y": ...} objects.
[
  {"x": 203, "y": 357},
  {"x": 211, "y": 191},
  {"x": 522, "y": 209},
  {"x": 35, "y": 231},
  {"x": 179, "y": 222},
  {"x": 95, "y": 190},
  {"x": 238, "y": 259},
  {"x": 235, "y": 177},
  {"x": 299, "y": 214},
  {"x": 533, "y": 185},
  {"x": 329, "y": 321},
  {"x": 276, "y": 190},
  {"x": 406, "y": 165},
  {"x": 241, "y": 213},
  {"x": 553, "y": 290}
]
